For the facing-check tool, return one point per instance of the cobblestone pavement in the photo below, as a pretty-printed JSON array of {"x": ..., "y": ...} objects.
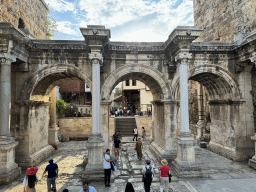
[{"x": 220, "y": 174}]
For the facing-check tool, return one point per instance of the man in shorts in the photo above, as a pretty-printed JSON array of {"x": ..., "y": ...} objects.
[{"x": 117, "y": 146}]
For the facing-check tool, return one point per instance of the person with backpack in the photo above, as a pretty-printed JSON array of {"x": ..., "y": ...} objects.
[{"x": 147, "y": 173}]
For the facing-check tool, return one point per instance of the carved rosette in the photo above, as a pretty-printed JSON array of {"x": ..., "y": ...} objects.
[
  {"x": 96, "y": 58},
  {"x": 253, "y": 58},
  {"x": 183, "y": 57}
]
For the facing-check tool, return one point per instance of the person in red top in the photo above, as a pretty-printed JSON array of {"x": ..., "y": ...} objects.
[{"x": 164, "y": 178}]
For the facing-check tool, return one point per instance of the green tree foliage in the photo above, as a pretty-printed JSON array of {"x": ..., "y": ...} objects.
[
  {"x": 60, "y": 107},
  {"x": 70, "y": 110},
  {"x": 51, "y": 26}
]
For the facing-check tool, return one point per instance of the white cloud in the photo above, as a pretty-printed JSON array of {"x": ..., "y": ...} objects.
[
  {"x": 116, "y": 13},
  {"x": 66, "y": 27},
  {"x": 143, "y": 35},
  {"x": 129, "y": 20},
  {"x": 60, "y": 5}
]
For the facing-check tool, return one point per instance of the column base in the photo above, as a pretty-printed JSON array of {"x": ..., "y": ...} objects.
[
  {"x": 9, "y": 170},
  {"x": 252, "y": 162},
  {"x": 26, "y": 161},
  {"x": 186, "y": 169},
  {"x": 94, "y": 170},
  {"x": 160, "y": 153},
  {"x": 53, "y": 136},
  {"x": 184, "y": 165},
  {"x": 93, "y": 173}
]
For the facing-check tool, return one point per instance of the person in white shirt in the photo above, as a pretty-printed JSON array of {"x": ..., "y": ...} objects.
[
  {"x": 87, "y": 188},
  {"x": 107, "y": 168},
  {"x": 135, "y": 132}
]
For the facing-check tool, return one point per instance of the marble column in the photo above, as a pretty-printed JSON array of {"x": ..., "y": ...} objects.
[
  {"x": 184, "y": 165},
  {"x": 201, "y": 123},
  {"x": 94, "y": 170},
  {"x": 9, "y": 170},
  {"x": 53, "y": 129},
  {"x": 96, "y": 58}
]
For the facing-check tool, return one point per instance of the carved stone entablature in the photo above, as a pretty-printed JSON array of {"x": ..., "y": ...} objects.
[
  {"x": 96, "y": 32},
  {"x": 182, "y": 33},
  {"x": 135, "y": 47},
  {"x": 183, "y": 57},
  {"x": 211, "y": 47},
  {"x": 96, "y": 58},
  {"x": 58, "y": 45}
]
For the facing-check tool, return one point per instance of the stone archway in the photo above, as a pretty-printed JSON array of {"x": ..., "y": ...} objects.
[
  {"x": 43, "y": 81},
  {"x": 36, "y": 133},
  {"x": 227, "y": 105},
  {"x": 154, "y": 79},
  {"x": 162, "y": 104}
]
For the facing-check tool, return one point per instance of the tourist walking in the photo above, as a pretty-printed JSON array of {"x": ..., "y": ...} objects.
[
  {"x": 129, "y": 187},
  {"x": 164, "y": 176},
  {"x": 107, "y": 168},
  {"x": 30, "y": 179},
  {"x": 87, "y": 188},
  {"x": 135, "y": 132},
  {"x": 52, "y": 169},
  {"x": 138, "y": 148},
  {"x": 119, "y": 135},
  {"x": 147, "y": 175},
  {"x": 117, "y": 146},
  {"x": 143, "y": 134}
]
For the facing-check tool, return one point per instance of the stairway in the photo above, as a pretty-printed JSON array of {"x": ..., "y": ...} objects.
[{"x": 125, "y": 125}]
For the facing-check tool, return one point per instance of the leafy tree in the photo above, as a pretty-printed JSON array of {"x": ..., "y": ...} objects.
[
  {"x": 70, "y": 110},
  {"x": 61, "y": 105},
  {"x": 51, "y": 26}
]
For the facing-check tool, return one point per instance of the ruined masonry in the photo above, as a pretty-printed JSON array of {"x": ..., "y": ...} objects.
[{"x": 224, "y": 68}]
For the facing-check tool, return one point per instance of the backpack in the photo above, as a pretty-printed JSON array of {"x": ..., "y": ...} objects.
[{"x": 148, "y": 174}]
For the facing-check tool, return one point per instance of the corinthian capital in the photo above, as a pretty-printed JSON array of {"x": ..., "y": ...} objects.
[
  {"x": 97, "y": 56},
  {"x": 183, "y": 57},
  {"x": 7, "y": 60},
  {"x": 253, "y": 58}
]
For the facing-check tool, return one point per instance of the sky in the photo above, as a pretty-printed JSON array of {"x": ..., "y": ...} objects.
[{"x": 128, "y": 20}]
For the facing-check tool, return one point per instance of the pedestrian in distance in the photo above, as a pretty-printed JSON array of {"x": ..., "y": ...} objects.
[
  {"x": 119, "y": 135},
  {"x": 135, "y": 133},
  {"x": 164, "y": 176},
  {"x": 30, "y": 179},
  {"x": 129, "y": 187},
  {"x": 117, "y": 146},
  {"x": 53, "y": 170},
  {"x": 138, "y": 148},
  {"x": 107, "y": 168},
  {"x": 87, "y": 188},
  {"x": 143, "y": 134},
  {"x": 147, "y": 175}
]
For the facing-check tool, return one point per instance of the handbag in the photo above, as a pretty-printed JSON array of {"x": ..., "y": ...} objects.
[
  {"x": 112, "y": 164},
  {"x": 170, "y": 177}
]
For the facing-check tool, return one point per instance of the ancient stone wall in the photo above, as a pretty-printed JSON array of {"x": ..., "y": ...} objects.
[
  {"x": 26, "y": 14},
  {"x": 146, "y": 122},
  {"x": 80, "y": 126},
  {"x": 221, "y": 20}
]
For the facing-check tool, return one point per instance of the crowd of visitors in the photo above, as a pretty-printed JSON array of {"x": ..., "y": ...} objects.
[{"x": 31, "y": 178}]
